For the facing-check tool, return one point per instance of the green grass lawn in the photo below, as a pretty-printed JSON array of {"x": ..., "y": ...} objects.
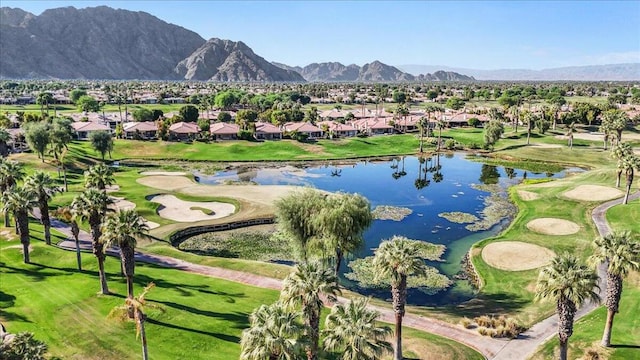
[{"x": 196, "y": 317}]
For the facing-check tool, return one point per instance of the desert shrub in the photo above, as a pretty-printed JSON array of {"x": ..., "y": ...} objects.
[
  {"x": 483, "y": 331},
  {"x": 451, "y": 144},
  {"x": 468, "y": 323}
]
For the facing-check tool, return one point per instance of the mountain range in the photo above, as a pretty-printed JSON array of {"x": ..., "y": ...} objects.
[{"x": 106, "y": 43}]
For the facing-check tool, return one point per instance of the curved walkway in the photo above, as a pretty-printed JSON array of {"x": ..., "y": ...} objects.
[
  {"x": 500, "y": 349},
  {"x": 526, "y": 344}
]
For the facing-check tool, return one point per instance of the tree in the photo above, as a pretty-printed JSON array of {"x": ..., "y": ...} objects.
[
  {"x": 224, "y": 116},
  {"x": 137, "y": 305},
  {"x": 67, "y": 216},
  {"x": 19, "y": 201},
  {"x": 614, "y": 121},
  {"x": 143, "y": 114},
  {"x": 306, "y": 287},
  {"x": 37, "y": 136},
  {"x": 530, "y": 119},
  {"x": 399, "y": 97},
  {"x": 91, "y": 206},
  {"x": 273, "y": 333},
  {"x": 628, "y": 164},
  {"x": 441, "y": 125},
  {"x": 244, "y": 117},
  {"x": 23, "y": 346},
  {"x": 4, "y": 140},
  {"x": 568, "y": 283},
  {"x": 622, "y": 255},
  {"x": 352, "y": 330},
  {"x": 571, "y": 128},
  {"x": 99, "y": 176},
  {"x": 102, "y": 142},
  {"x": 492, "y": 132},
  {"x": 76, "y": 94},
  {"x": 423, "y": 123},
  {"x": 295, "y": 214},
  {"x": 619, "y": 152},
  {"x": 398, "y": 258},
  {"x": 44, "y": 99},
  {"x": 87, "y": 103},
  {"x": 122, "y": 229},
  {"x": 340, "y": 223},
  {"x": 225, "y": 99},
  {"x": 189, "y": 113},
  {"x": 454, "y": 103},
  {"x": 41, "y": 184},
  {"x": 11, "y": 172}
]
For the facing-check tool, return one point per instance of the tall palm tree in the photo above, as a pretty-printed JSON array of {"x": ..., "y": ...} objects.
[
  {"x": 622, "y": 254},
  {"x": 274, "y": 333},
  {"x": 619, "y": 152},
  {"x": 568, "y": 283},
  {"x": 19, "y": 201},
  {"x": 571, "y": 128},
  {"x": 628, "y": 164},
  {"x": 99, "y": 176},
  {"x": 42, "y": 185},
  {"x": 398, "y": 258},
  {"x": 423, "y": 123},
  {"x": 440, "y": 124},
  {"x": 91, "y": 206},
  {"x": 342, "y": 221},
  {"x": 353, "y": 331},
  {"x": 10, "y": 173},
  {"x": 122, "y": 229},
  {"x": 306, "y": 287},
  {"x": 67, "y": 215},
  {"x": 4, "y": 140},
  {"x": 530, "y": 118}
]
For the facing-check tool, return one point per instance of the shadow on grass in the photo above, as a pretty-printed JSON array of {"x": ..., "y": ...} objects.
[
  {"x": 624, "y": 346},
  {"x": 184, "y": 289},
  {"x": 225, "y": 337},
  {"x": 492, "y": 304},
  {"x": 240, "y": 321}
]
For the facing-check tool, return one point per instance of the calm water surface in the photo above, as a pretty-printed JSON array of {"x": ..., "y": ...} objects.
[{"x": 428, "y": 188}]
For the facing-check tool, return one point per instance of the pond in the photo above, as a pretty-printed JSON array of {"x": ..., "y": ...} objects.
[{"x": 427, "y": 186}]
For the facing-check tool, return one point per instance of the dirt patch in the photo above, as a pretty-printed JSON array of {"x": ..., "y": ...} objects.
[
  {"x": 528, "y": 195},
  {"x": 548, "y": 184},
  {"x": 516, "y": 255},
  {"x": 553, "y": 226},
  {"x": 593, "y": 193},
  {"x": 186, "y": 211},
  {"x": 8, "y": 235},
  {"x": 163, "y": 173}
]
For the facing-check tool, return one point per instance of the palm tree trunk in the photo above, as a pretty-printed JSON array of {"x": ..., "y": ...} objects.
[
  {"x": 399, "y": 296},
  {"x": 130, "y": 286},
  {"x": 104, "y": 288},
  {"x": 338, "y": 262},
  {"x": 619, "y": 175},
  {"x": 78, "y": 257},
  {"x": 566, "y": 310},
  {"x": 606, "y": 336},
  {"x": 7, "y": 223},
  {"x": 22, "y": 222},
  {"x": 397, "y": 350},
  {"x": 612, "y": 301},
  {"x": 421, "y": 138},
  {"x": 314, "y": 335},
  {"x": 143, "y": 335},
  {"x": 563, "y": 350},
  {"x": 629, "y": 181},
  {"x": 46, "y": 221}
]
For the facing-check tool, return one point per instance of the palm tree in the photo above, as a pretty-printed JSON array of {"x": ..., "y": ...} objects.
[
  {"x": 67, "y": 215},
  {"x": 137, "y": 305},
  {"x": 440, "y": 124},
  {"x": 622, "y": 255},
  {"x": 274, "y": 334},
  {"x": 10, "y": 173},
  {"x": 571, "y": 128},
  {"x": 619, "y": 152},
  {"x": 122, "y": 229},
  {"x": 99, "y": 176},
  {"x": 91, "y": 206},
  {"x": 398, "y": 258},
  {"x": 306, "y": 287},
  {"x": 42, "y": 185},
  {"x": 342, "y": 221},
  {"x": 569, "y": 284},
  {"x": 628, "y": 164},
  {"x": 352, "y": 330},
  {"x": 530, "y": 118},
  {"x": 423, "y": 123},
  {"x": 19, "y": 201}
]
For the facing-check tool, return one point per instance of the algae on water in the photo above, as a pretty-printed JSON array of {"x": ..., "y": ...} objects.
[
  {"x": 459, "y": 217},
  {"x": 385, "y": 212}
]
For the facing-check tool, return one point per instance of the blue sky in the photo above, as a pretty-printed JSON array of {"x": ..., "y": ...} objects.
[{"x": 471, "y": 34}]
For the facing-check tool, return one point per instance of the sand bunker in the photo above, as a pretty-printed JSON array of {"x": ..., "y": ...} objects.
[
  {"x": 163, "y": 173},
  {"x": 187, "y": 211},
  {"x": 516, "y": 255},
  {"x": 112, "y": 188},
  {"x": 553, "y": 226},
  {"x": 593, "y": 193},
  {"x": 528, "y": 195},
  {"x": 121, "y": 204}
]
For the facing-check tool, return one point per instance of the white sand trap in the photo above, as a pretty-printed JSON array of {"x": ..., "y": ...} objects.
[
  {"x": 548, "y": 184},
  {"x": 528, "y": 195},
  {"x": 151, "y": 224},
  {"x": 553, "y": 226},
  {"x": 516, "y": 255},
  {"x": 163, "y": 173},
  {"x": 636, "y": 151},
  {"x": 112, "y": 188},
  {"x": 169, "y": 183},
  {"x": 593, "y": 193},
  {"x": 121, "y": 204},
  {"x": 181, "y": 211}
]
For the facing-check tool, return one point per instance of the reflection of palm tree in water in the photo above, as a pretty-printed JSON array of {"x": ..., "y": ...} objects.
[
  {"x": 511, "y": 173},
  {"x": 437, "y": 175},
  {"x": 422, "y": 181}
]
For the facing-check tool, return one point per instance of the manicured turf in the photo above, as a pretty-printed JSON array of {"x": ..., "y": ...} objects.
[{"x": 190, "y": 316}]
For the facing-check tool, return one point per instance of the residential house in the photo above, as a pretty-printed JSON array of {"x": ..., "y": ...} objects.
[
  {"x": 312, "y": 131},
  {"x": 373, "y": 126},
  {"x": 84, "y": 128},
  {"x": 224, "y": 131},
  {"x": 267, "y": 131},
  {"x": 144, "y": 130},
  {"x": 338, "y": 130},
  {"x": 183, "y": 130}
]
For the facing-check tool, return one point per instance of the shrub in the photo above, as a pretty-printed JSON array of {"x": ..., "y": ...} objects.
[
  {"x": 468, "y": 323},
  {"x": 483, "y": 331},
  {"x": 245, "y": 135},
  {"x": 450, "y": 144}
]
